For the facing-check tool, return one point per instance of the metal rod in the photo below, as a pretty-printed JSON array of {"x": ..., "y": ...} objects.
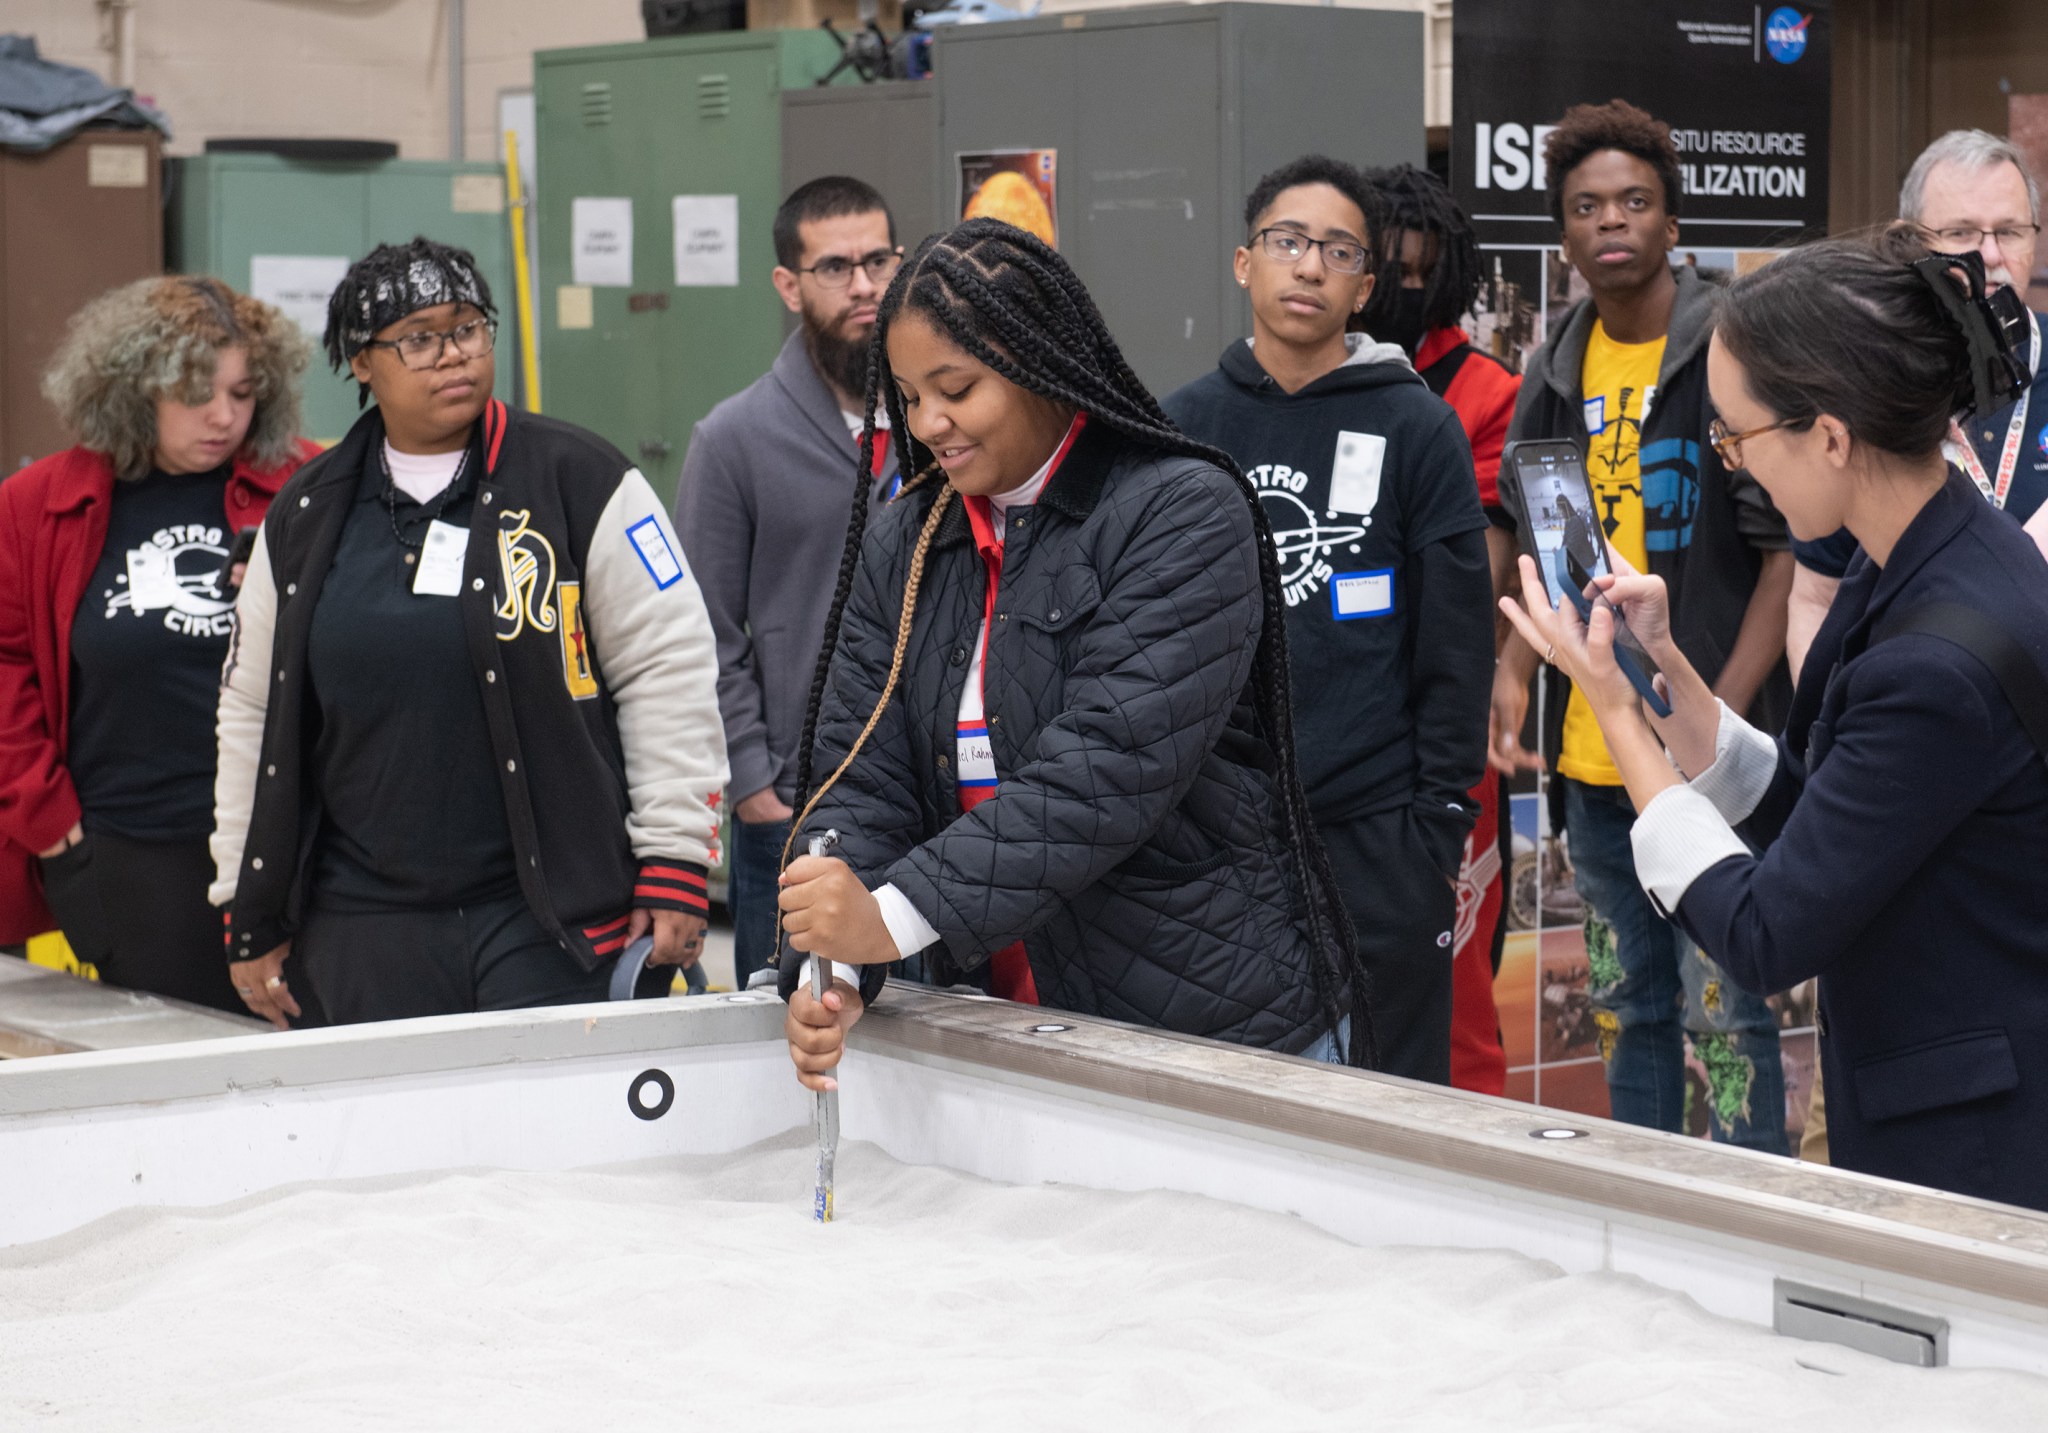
[
  {"x": 522, "y": 300},
  {"x": 455, "y": 45},
  {"x": 828, "y": 1100}
]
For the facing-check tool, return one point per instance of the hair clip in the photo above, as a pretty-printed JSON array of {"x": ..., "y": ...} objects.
[{"x": 1996, "y": 374}]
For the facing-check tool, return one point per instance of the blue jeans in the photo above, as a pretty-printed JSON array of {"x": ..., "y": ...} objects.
[
  {"x": 755, "y": 861},
  {"x": 1329, "y": 1046},
  {"x": 1647, "y": 976}
]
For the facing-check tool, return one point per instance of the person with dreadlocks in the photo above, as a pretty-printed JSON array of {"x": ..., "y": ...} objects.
[
  {"x": 469, "y": 735},
  {"x": 1366, "y": 477},
  {"x": 1053, "y": 723},
  {"x": 1427, "y": 278},
  {"x": 117, "y": 594}
]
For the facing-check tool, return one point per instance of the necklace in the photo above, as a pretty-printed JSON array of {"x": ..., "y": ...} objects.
[{"x": 432, "y": 512}]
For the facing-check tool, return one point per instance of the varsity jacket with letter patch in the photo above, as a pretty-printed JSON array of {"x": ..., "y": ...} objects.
[{"x": 593, "y": 655}]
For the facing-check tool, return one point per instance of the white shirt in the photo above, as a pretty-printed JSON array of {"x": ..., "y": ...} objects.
[
  {"x": 422, "y": 476},
  {"x": 911, "y": 931}
]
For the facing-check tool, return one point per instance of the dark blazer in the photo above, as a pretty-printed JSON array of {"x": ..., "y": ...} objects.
[
  {"x": 1905, "y": 862},
  {"x": 1135, "y": 842},
  {"x": 762, "y": 509}
]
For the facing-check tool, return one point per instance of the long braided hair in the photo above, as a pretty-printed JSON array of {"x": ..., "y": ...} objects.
[{"x": 1009, "y": 299}]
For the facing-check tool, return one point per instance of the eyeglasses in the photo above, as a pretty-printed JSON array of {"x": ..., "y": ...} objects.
[
  {"x": 1340, "y": 256},
  {"x": 421, "y": 351},
  {"x": 1966, "y": 236},
  {"x": 1729, "y": 445},
  {"x": 837, "y": 273}
]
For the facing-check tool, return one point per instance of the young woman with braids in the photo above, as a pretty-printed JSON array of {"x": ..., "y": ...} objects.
[
  {"x": 1052, "y": 721},
  {"x": 1892, "y": 839}
]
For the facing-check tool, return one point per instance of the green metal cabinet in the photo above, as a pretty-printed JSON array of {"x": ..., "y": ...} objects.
[
  {"x": 641, "y": 362},
  {"x": 227, "y": 211}
]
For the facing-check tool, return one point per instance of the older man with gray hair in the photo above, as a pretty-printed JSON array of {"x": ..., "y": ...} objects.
[{"x": 1969, "y": 190}]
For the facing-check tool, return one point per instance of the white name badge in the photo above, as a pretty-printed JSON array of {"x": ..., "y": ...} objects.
[
  {"x": 975, "y": 757},
  {"x": 1362, "y": 594},
  {"x": 440, "y": 571}
]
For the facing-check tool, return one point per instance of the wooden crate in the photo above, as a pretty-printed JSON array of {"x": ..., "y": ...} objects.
[{"x": 807, "y": 14}]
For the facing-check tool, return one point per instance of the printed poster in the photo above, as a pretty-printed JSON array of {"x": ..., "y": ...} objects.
[
  {"x": 1017, "y": 186},
  {"x": 601, "y": 242},
  {"x": 298, "y": 285},
  {"x": 707, "y": 240}
]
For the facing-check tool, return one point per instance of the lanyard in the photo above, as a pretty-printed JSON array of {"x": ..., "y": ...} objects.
[{"x": 1997, "y": 489}]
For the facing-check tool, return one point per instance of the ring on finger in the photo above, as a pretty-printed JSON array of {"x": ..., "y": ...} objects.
[
  {"x": 1550, "y": 655},
  {"x": 274, "y": 982},
  {"x": 243, "y": 990}
]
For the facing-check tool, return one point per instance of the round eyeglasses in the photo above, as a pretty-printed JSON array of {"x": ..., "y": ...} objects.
[
  {"x": 837, "y": 273},
  {"x": 421, "y": 351}
]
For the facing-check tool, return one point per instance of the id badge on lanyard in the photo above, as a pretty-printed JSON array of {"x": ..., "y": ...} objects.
[{"x": 1964, "y": 453}]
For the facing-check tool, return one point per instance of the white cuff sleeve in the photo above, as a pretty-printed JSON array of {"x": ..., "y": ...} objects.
[
  {"x": 911, "y": 931},
  {"x": 848, "y": 973},
  {"x": 1745, "y": 764},
  {"x": 1677, "y": 839}
]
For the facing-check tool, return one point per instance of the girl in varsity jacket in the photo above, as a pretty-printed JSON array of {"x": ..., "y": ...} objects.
[{"x": 469, "y": 733}]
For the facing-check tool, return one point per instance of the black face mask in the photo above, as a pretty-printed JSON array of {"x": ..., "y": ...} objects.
[{"x": 1402, "y": 321}]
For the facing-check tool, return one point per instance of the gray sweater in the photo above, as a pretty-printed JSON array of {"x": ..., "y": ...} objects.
[{"x": 762, "y": 512}]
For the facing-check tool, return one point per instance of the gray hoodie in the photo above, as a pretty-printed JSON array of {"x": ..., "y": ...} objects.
[{"x": 762, "y": 510}]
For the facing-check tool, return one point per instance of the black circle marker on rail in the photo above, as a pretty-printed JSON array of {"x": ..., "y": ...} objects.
[{"x": 660, "y": 1080}]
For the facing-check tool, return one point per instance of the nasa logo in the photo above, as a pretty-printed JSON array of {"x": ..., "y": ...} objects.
[{"x": 1785, "y": 34}]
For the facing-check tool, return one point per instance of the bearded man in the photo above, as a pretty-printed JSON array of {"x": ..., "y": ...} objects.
[{"x": 762, "y": 514}]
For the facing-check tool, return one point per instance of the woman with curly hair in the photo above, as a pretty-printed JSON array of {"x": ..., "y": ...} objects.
[{"x": 116, "y": 607}]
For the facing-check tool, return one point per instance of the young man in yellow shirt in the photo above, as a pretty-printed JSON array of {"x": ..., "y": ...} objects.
[{"x": 1625, "y": 372}]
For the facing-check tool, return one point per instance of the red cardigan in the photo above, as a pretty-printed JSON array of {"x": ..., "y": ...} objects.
[{"x": 53, "y": 523}]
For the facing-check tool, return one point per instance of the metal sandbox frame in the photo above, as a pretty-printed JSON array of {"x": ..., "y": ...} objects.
[{"x": 1019, "y": 1095}]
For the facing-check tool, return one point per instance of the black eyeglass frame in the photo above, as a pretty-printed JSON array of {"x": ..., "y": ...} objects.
[
  {"x": 446, "y": 336},
  {"x": 892, "y": 256},
  {"x": 1260, "y": 238}
]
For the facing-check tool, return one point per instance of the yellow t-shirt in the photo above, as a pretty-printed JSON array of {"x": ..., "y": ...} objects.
[{"x": 1618, "y": 382}]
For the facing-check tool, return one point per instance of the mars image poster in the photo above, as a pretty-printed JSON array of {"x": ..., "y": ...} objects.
[{"x": 1016, "y": 186}]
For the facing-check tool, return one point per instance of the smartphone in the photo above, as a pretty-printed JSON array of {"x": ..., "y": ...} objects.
[{"x": 1559, "y": 520}]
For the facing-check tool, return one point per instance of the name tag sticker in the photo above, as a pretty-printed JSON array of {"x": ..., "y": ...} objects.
[
  {"x": 1355, "y": 472},
  {"x": 440, "y": 571},
  {"x": 974, "y": 756},
  {"x": 655, "y": 554},
  {"x": 1596, "y": 415},
  {"x": 1362, "y": 594}
]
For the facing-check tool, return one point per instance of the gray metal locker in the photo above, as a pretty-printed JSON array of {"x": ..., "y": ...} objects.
[
  {"x": 1163, "y": 119},
  {"x": 884, "y": 133}
]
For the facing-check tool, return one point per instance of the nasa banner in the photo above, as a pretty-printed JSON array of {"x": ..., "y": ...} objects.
[{"x": 1744, "y": 87}]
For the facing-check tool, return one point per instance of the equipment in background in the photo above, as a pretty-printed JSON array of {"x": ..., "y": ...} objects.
[
  {"x": 285, "y": 230},
  {"x": 692, "y": 17}
]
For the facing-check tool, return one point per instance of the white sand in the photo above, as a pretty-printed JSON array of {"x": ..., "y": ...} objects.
[{"x": 689, "y": 1295}]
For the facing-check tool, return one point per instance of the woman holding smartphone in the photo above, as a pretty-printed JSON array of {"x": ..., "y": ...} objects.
[{"x": 1892, "y": 839}]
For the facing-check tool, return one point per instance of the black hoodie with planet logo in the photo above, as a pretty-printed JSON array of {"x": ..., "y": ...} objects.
[{"x": 1366, "y": 478}]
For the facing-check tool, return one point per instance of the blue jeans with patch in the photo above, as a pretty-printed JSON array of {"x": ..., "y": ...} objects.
[{"x": 1653, "y": 989}]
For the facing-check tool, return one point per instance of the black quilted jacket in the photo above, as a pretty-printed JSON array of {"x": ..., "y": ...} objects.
[{"x": 1136, "y": 843}]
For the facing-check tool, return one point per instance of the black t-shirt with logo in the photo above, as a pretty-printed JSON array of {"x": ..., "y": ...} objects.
[
  {"x": 413, "y": 817},
  {"x": 147, "y": 645}
]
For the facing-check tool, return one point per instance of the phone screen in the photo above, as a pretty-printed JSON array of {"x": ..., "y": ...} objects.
[{"x": 1564, "y": 523}]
